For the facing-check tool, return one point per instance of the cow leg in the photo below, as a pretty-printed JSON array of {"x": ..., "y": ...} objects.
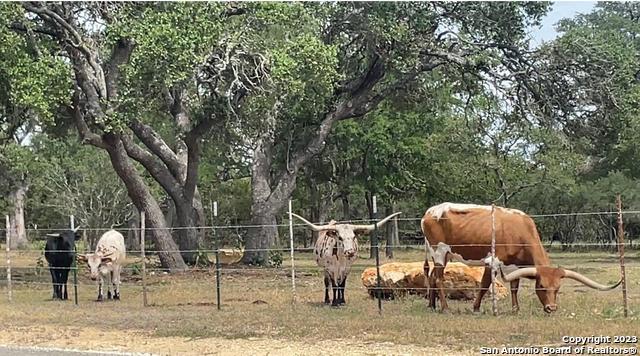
[
  {"x": 109, "y": 282},
  {"x": 327, "y": 282},
  {"x": 116, "y": 283},
  {"x": 438, "y": 272},
  {"x": 514, "y": 295},
  {"x": 334, "y": 302},
  {"x": 484, "y": 286},
  {"x": 59, "y": 283},
  {"x": 54, "y": 282},
  {"x": 65, "y": 278},
  {"x": 427, "y": 285},
  {"x": 431, "y": 291},
  {"x": 341, "y": 291},
  {"x": 100, "y": 295}
]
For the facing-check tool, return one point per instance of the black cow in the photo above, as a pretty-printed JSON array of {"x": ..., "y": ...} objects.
[{"x": 60, "y": 253}]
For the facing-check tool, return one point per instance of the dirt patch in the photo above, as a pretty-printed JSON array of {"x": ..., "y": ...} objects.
[{"x": 139, "y": 341}]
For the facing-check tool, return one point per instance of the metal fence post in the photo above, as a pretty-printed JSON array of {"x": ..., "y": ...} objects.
[
  {"x": 377, "y": 247},
  {"x": 293, "y": 268},
  {"x": 144, "y": 259},
  {"x": 8, "y": 249},
  {"x": 74, "y": 264},
  {"x": 494, "y": 299},
  {"x": 621, "y": 251},
  {"x": 217, "y": 247}
]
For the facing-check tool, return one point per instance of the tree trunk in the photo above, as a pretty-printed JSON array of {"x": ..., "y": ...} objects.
[
  {"x": 133, "y": 236},
  {"x": 373, "y": 236},
  {"x": 262, "y": 237},
  {"x": 18, "y": 229},
  {"x": 189, "y": 240},
  {"x": 396, "y": 232},
  {"x": 315, "y": 207},
  {"x": 346, "y": 209},
  {"x": 141, "y": 197},
  {"x": 391, "y": 231}
]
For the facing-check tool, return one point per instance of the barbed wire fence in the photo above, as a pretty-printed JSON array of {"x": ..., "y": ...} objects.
[{"x": 19, "y": 277}]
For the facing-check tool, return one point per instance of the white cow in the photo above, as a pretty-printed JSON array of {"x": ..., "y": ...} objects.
[
  {"x": 336, "y": 249},
  {"x": 107, "y": 262}
]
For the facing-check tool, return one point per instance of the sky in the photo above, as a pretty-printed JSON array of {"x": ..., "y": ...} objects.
[{"x": 560, "y": 10}]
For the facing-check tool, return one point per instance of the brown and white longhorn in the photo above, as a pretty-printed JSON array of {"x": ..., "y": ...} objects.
[
  {"x": 467, "y": 229},
  {"x": 335, "y": 250}
]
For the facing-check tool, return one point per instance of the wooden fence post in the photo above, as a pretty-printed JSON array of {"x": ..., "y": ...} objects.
[
  {"x": 494, "y": 299},
  {"x": 216, "y": 244},
  {"x": 621, "y": 251},
  {"x": 375, "y": 239},
  {"x": 74, "y": 264},
  {"x": 144, "y": 259},
  {"x": 8, "y": 249},
  {"x": 293, "y": 268}
]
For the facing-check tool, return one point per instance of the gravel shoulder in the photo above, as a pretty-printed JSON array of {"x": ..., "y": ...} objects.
[{"x": 132, "y": 342}]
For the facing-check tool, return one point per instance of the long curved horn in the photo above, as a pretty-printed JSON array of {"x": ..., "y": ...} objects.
[
  {"x": 377, "y": 225},
  {"x": 76, "y": 229},
  {"x": 53, "y": 235},
  {"x": 521, "y": 273},
  {"x": 589, "y": 283},
  {"x": 314, "y": 226}
]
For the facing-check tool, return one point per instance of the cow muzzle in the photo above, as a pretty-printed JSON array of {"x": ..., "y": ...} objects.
[
  {"x": 93, "y": 278},
  {"x": 550, "y": 308},
  {"x": 350, "y": 253}
]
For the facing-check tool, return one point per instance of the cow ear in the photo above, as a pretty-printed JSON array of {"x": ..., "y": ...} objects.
[{"x": 82, "y": 258}]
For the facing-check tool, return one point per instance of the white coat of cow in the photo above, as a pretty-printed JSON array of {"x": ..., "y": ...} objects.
[
  {"x": 335, "y": 250},
  {"x": 106, "y": 263}
]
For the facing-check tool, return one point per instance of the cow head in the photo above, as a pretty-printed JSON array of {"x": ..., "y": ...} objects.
[
  {"x": 548, "y": 280},
  {"x": 346, "y": 232},
  {"x": 65, "y": 241},
  {"x": 97, "y": 263}
]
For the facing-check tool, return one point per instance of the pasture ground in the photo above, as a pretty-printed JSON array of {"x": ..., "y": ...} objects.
[{"x": 258, "y": 317}]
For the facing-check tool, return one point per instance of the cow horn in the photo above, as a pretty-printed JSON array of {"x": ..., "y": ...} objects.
[
  {"x": 76, "y": 229},
  {"x": 313, "y": 226},
  {"x": 376, "y": 225},
  {"x": 53, "y": 235},
  {"x": 521, "y": 273},
  {"x": 589, "y": 283}
]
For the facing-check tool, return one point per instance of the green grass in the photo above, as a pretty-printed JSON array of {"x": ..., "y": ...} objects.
[{"x": 184, "y": 305}]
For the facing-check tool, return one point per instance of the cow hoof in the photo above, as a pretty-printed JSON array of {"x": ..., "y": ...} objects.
[
  {"x": 476, "y": 312},
  {"x": 327, "y": 302},
  {"x": 116, "y": 297},
  {"x": 100, "y": 298},
  {"x": 108, "y": 295}
]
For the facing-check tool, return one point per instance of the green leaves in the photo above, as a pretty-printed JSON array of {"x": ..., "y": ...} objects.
[{"x": 32, "y": 77}]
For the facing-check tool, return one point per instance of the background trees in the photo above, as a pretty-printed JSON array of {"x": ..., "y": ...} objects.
[{"x": 251, "y": 104}]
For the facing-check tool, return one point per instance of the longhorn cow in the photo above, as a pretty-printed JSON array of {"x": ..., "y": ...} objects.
[
  {"x": 106, "y": 263},
  {"x": 336, "y": 249},
  {"x": 467, "y": 229}
]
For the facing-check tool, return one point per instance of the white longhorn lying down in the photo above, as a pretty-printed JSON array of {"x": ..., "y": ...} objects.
[{"x": 107, "y": 262}]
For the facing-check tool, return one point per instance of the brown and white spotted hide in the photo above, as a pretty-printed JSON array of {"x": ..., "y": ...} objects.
[
  {"x": 335, "y": 253},
  {"x": 336, "y": 249}
]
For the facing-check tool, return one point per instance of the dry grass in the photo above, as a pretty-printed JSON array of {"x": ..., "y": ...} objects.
[{"x": 257, "y": 303}]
